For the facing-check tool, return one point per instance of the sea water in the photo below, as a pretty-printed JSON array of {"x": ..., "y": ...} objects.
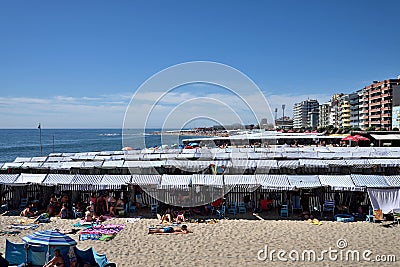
[{"x": 26, "y": 142}]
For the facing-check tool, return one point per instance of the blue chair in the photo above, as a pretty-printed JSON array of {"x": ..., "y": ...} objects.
[
  {"x": 77, "y": 214},
  {"x": 24, "y": 203},
  {"x": 221, "y": 212},
  {"x": 154, "y": 209},
  {"x": 329, "y": 206},
  {"x": 296, "y": 204},
  {"x": 284, "y": 212},
  {"x": 232, "y": 209},
  {"x": 242, "y": 207},
  {"x": 130, "y": 208},
  {"x": 370, "y": 217}
]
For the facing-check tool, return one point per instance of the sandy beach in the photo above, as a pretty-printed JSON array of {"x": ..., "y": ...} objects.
[{"x": 235, "y": 242}]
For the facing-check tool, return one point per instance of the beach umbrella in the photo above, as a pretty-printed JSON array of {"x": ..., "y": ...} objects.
[
  {"x": 49, "y": 238},
  {"x": 350, "y": 138},
  {"x": 361, "y": 138}
]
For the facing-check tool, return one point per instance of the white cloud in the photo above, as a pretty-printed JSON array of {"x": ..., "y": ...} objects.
[{"x": 108, "y": 111}]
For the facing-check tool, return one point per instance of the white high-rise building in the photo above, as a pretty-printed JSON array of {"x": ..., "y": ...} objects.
[{"x": 305, "y": 114}]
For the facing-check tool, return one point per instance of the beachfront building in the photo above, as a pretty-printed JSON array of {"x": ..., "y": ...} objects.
[
  {"x": 376, "y": 104},
  {"x": 354, "y": 109},
  {"x": 344, "y": 111},
  {"x": 284, "y": 123},
  {"x": 305, "y": 114},
  {"x": 334, "y": 111},
  {"x": 324, "y": 110}
]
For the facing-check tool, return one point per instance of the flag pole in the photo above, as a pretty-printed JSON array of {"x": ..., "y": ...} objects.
[{"x": 40, "y": 130}]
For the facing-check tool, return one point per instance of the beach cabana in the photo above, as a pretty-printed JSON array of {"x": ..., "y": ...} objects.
[
  {"x": 175, "y": 181},
  {"x": 85, "y": 183},
  {"x": 339, "y": 182},
  {"x": 304, "y": 181},
  {"x": 29, "y": 178},
  {"x": 369, "y": 181},
  {"x": 384, "y": 199},
  {"x": 115, "y": 182},
  {"x": 278, "y": 182}
]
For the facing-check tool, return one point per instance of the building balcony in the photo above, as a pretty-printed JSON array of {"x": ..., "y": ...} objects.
[
  {"x": 375, "y": 116},
  {"x": 375, "y": 122},
  {"x": 375, "y": 110},
  {"x": 346, "y": 115},
  {"x": 386, "y": 108},
  {"x": 386, "y": 95},
  {"x": 386, "y": 115},
  {"x": 386, "y": 101}
]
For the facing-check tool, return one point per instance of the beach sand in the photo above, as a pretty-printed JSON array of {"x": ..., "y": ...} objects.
[{"x": 234, "y": 242}]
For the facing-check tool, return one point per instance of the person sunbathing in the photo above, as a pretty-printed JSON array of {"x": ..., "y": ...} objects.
[
  {"x": 170, "y": 230},
  {"x": 56, "y": 261},
  {"x": 89, "y": 216}
]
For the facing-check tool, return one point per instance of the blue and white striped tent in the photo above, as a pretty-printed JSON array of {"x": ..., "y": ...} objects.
[
  {"x": 339, "y": 182},
  {"x": 55, "y": 179},
  {"x": 393, "y": 180},
  {"x": 208, "y": 180},
  {"x": 304, "y": 181},
  {"x": 371, "y": 181},
  {"x": 146, "y": 180},
  {"x": 29, "y": 178},
  {"x": 274, "y": 181},
  {"x": 115, "y": 181},
  {"x": 8, "y": 178},
  {"x": 242, "y": 182},
  {"x": 175, "y": 181},
  {"x": 49, "y": 238}
]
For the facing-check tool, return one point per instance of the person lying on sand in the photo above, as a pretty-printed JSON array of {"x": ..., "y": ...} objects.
[{"x": 170, "y": 229}]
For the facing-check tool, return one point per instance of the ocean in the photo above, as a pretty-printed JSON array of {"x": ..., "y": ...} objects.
[{"x": 26, "y": 142}]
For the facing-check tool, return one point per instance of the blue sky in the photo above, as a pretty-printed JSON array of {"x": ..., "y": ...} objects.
[{"x": 76, "y": 64}]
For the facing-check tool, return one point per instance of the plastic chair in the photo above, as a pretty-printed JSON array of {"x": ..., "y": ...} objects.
[
  {"x": 329, "y": 206},
  {"x": 24, "y": 203},
  {"x": 130, "y": 208},
  {"x": 241, "y": 207},
  {"x": 232, "y": 209},
  {"x": 284, "y": 212},
  {"x": 76, "y": 214},
  {"x": 221, "y": 212},
  {"x": 154, "y": 209},
  {"x": 296, "y": 204}
]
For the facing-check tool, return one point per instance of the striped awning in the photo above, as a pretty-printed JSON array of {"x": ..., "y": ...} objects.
[
  {"x": 393, "y": 180},
  {"x": 22, "y": 160},
  {"x": 243, "y": 163},
  {"x": 55, "y": 179},
  {"x": 369, "y": 180},
  {"x": 383, "y": 162},
  {"x": 29, "y": 178},
  {"x": 30, "y": 164},
  {"x": 115, "y": 181},
  {"x": 208, "y": 180},
  {"x": 143, "y": 164},
  {"x": 190, "y": 165},
  {"x": 175, "y": 181},
  {"x": 267, "y": 163},
  {"x": 38, "y": 159},
  {"x": 336, "y": 162},
  {"x": 244, "y": 182},
  {"x": 143, "y": 180},
  {"x": 339, "y": 182},
  {"x": 85, "y": 183},
  {"x": 8, "y": 178},
  {"x": 71, "y": 164},
  {"x": 290, "y": 164},
  {"x": 11, "y": 165},
  {"x": 304, "y": 181},
  {"x": 357, "y": 163},
  {"x": 113, "y": 164},
  {"x": 51, "y": 165},
  {"x": 91, "y": 164},
  {"x": 313, "y": 163},
  {"x": 274, "y": 181}
]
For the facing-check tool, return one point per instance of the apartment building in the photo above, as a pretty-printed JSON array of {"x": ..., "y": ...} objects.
[
  {"x": 324, "y": 111},
  {"x": 344, "y": 111},
  {"x": 305, "y": 114},
  {"x": 376, "y": 103}
]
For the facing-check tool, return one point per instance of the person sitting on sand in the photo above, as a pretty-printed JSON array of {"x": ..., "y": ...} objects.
[
  {"x": 119, "y": 206},
  {"x": 111, "y": 201},
  {"x": 89, "y": 216},
  {"x": 56, "y": 261},
  {"x": 63, "y": 212},
  {"x": 27, "y": 212},
  {"x": 167, "y": 217}
]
